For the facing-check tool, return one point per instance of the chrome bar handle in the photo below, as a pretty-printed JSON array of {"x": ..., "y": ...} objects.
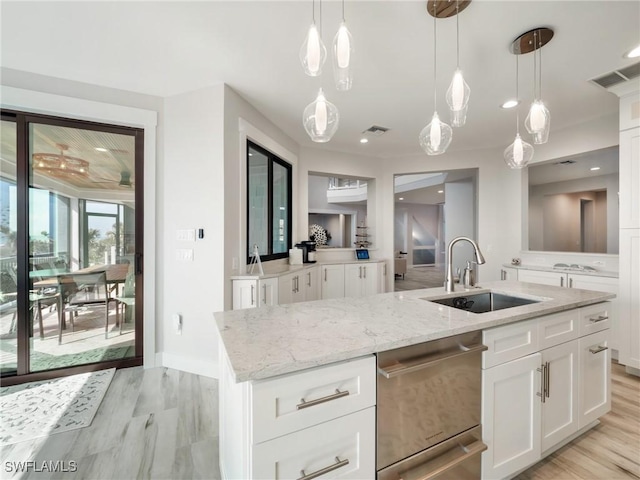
[
  {"x": 501, "y": 274},
  {"x": 253, "y": 302},
  {"x": 562, "y": 281},
  {"x": 304, "y": 404},
  {"x": 308, "y": 279},
  {"x": 547, "y": 389},
  {"x": 360, "y": 272},
  {"x": 325, "y": 274},
  {"x": 384, "y": 270},
  {"x": 428, "y": 361},
  {"x": 543, "y": 383},
  {"x": 364, "y": 269},
  {"x": 599, "y": 318},
  {"x": 318, "y": 473},
  {"x": 264, "y": 292},
  {"x": 598, "y": 349}
]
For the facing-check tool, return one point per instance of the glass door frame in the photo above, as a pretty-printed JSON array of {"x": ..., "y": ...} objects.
[{"x": 22, "y": 121}]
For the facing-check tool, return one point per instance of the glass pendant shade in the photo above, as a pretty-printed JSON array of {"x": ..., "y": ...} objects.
[
  {"x": 342, "y": 53},
  {"x": 436, "y": 137},
  {"x": 518, "y": 154},
  {"x": 458, "y": 99},
  {"x": 313, "y": 52},
  {"x": 320, "y": 119},
  {"x": 538, "y": 122}
]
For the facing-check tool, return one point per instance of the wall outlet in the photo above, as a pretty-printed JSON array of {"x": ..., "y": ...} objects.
[
  {"x": 177, "y": 323},
  {"x": 187, "y": 235},
  {"x": 184, "y": 255},
  {"x": 234, "y": 263}
]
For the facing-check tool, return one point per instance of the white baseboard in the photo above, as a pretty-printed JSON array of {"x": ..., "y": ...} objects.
[{"x": 186, "y": 364}]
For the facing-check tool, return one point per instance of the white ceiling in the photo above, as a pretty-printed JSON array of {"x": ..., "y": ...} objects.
[
  {"x": 559, "y": 170},
  {"x": 166, "y": 48}
]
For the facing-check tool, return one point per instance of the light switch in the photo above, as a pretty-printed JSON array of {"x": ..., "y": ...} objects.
[{"x": 186, "y": 235}]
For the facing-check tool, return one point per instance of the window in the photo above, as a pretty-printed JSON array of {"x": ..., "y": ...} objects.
[{"x": 268, "y": 204}]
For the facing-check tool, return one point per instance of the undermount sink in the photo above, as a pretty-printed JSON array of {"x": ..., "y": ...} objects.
[{"x": 483, "y": 302}]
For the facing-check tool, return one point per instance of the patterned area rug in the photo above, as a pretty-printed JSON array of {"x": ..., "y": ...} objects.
[{"x": 38, "y": 409}]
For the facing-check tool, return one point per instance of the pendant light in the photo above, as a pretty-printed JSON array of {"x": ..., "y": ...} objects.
[
  {"x": 320, "y": 119},
  {"x": 519, "y": 153},
  {"x": 538, "y": 120},
  {"x": 459, "y": 92},
  {"x": 313, "y": 52},
  {"x": 436, "y": 137},
  {"x": 342, "y": 53}
]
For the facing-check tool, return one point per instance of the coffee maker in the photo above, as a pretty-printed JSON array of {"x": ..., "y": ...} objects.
[{"x": 308, "y": 251}]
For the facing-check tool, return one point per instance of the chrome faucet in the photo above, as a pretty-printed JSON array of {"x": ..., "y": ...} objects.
[{"x": 448, "y": 283}]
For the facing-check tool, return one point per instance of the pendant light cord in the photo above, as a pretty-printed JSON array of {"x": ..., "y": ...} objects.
[
  {"x": 313, "y": 11},
  {"x": 535, "y": 64},
  {"x": 434, "y": 58},
  {"x": 343, "y": 11},
  {"x": 540, "y": 71},
  {"x": 320, "y": 21},
  {"x": 517, "y": 100},
  {"x": 457, "y": 36}
]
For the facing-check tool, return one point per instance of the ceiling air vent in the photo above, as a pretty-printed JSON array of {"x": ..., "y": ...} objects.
[
  {"x": 375, "y": 130},
  {"x": 565, "y": 162},
  {"x": 618, "y": 76}
]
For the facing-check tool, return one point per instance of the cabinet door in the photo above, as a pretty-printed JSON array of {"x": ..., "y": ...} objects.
[
  {"x": 382, "y": 277},
  {"x": 244, "y": 294},
  {"x": 342, "y": 448},
  {"x": 369, "y": 279},
  {"x": 353, "y": 280},
  {"x": 311, "y": 288},
  {"x": 331, "y": 281},
  {"x": 560, "y": 403},
  {"x": 595, "y": 373},
  {"x": 511, "y": 416},
  {"x": 290, "y": 288},
  {"x": 268, "y": 292},
  {"x": 630, "y": 178},
  {"x": 507, "y": 273},
  {"x": 545, "y": 278},
  {"x": 629, "y": 300}
]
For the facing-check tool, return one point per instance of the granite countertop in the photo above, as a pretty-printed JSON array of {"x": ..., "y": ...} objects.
[
  {"x": 283, "y": 269},
  {"x": 269, "y": 341},
  {"x": 568, "y": 269}
]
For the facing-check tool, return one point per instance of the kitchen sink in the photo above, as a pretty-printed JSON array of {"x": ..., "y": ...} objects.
[{"x": 484, "y": 302}]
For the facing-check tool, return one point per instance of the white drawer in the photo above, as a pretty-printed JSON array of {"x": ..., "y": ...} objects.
[
  {"x": 278, "y": 403},
  {"x": 509, "y": 342},
  {"x": 595, "y": 318},
  {"x": 331, "y": 444},
  {"x": 558, "y": 328}
]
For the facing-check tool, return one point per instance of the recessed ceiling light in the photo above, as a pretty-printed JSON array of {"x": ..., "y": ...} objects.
[
  {"x": 593, "y": 169},
  {"x": 633, "y": 53},
  {"x": 440, "y": 191},
  {"x": 510, "y": 103},
  {"x": 250, "y": 154},
  {"x": 100, "y": 149},
  {"x": 364, "y": 140},
  {"x": 400, "y": 198}
]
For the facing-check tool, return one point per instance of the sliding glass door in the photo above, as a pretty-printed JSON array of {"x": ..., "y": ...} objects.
[{"x": 71, "y": 269}]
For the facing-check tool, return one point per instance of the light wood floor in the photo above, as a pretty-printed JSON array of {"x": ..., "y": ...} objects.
[
  {"x": 161, "y": 423},
  {"x": 420, "y": 277}
]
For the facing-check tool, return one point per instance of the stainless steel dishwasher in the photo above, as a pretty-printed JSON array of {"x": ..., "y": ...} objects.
[{"x": 428, "y": 417}]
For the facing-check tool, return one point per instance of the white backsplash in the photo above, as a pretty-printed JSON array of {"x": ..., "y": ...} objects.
[{"x": 603, "y": 262}]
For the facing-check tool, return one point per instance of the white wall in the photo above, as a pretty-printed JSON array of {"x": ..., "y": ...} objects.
[
  {"x": 192, "y": 197},
  {"x": 459, "y": 220}
]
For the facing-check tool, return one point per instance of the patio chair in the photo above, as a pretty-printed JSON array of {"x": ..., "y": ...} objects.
[
  {"x": 81, "y": 291},
  {"x": 126, "y": 300}
]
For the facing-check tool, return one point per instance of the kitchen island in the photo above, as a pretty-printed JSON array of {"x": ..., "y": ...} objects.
[{"x": 273, "y": 359}]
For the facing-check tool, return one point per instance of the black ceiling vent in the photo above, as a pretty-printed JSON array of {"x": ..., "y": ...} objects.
[
  {"x": 618, "y": 76},
  {"x": 375, "y": 130},
  {"x": 565, "y": 162}
]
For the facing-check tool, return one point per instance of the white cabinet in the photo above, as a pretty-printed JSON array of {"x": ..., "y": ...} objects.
[
  {"x": 315, "y": 419},
  {"x": 291, "y": 288},
  {"x": 545, "y": 278},
  {"x": 511, "y": 416},
  {"x": 595, "y": 377},
  {"x": 542, "y": 381},
  {"x": 382, "y": 277},
  {"x": 560, "y": 417},
  {"x": 360, "y": 280},
  {"x": 629, "y": 300},
  {"x": 507, "y": 273},
  {"x": 630, "y": 178},
  {"x": 311, "y": 286},
  {"x": 331, "y": 281},
  {"x": 253, "y": 293}
]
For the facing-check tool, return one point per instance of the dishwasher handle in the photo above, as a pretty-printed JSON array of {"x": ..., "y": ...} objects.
[{"x": 414, "y": 365}]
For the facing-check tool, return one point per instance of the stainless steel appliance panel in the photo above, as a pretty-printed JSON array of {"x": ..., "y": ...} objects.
[{"x": 426, "y": 394}]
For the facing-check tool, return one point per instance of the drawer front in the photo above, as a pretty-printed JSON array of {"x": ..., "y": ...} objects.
[
  {"x": 341, "y": 448},
  {"x": 292, "y": 402},
  {"x": 595, "y": 318},
  {"x": 558, "y": 328},
  {"x": 509, "y": 342}
]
